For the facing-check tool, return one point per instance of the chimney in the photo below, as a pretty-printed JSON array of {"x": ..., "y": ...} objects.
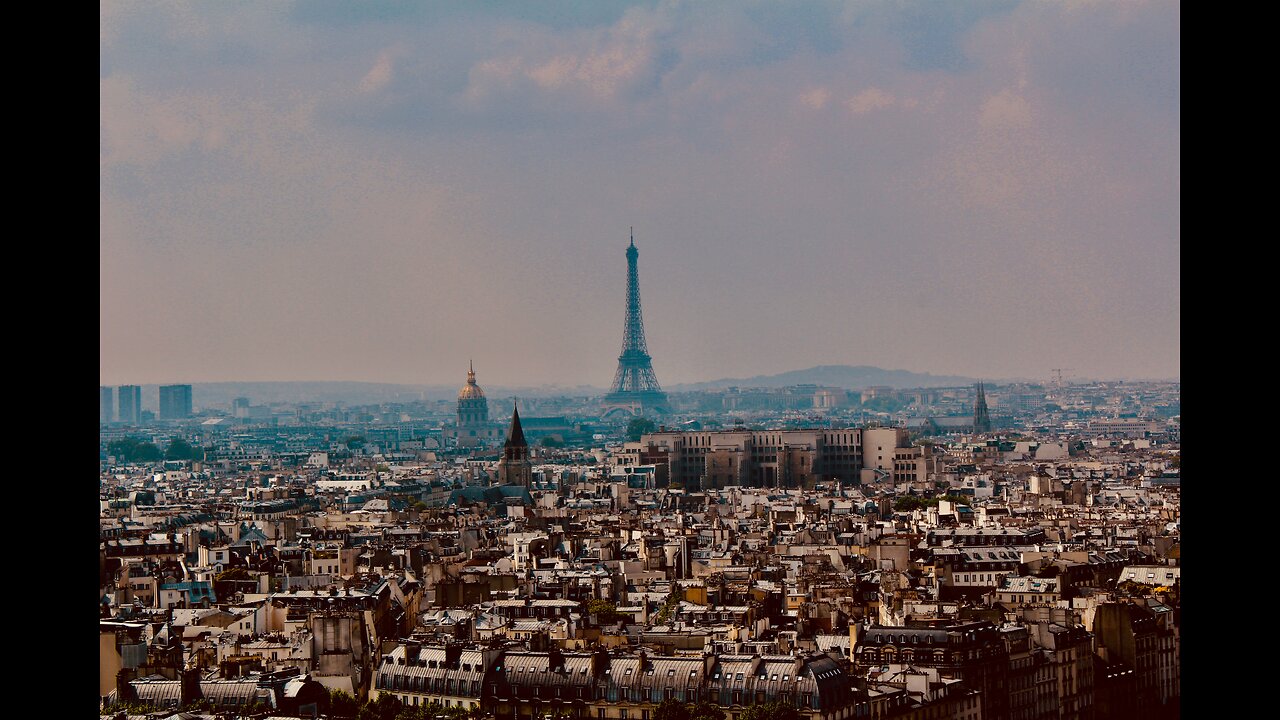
[
  {"x": 124, "y": 691},
  {"x": 190, "y": 686},
  {"x": 411, "y": 650},
  {"x": 599, "y": 662}
]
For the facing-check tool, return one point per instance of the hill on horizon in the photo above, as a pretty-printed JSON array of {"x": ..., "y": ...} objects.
[
  {"x": 851, "y": 377},
  {"x": 220, "y": 394}
]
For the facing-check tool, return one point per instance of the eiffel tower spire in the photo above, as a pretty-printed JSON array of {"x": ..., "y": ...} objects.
[{"x": 635, "y": 388}]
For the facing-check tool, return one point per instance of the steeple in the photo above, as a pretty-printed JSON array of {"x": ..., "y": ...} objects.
[
  {"x": 515, "y": 468},
  {"x": 981, "y": 418},
  {"x": 515, "y": 435}
]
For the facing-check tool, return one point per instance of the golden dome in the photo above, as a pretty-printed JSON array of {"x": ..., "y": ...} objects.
[{"x": 470, "y": 391}]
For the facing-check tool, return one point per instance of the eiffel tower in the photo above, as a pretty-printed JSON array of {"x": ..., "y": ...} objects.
[{"x": 635, "y": 388}]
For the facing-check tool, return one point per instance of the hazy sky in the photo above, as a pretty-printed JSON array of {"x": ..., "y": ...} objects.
[{"x": 381, "y": 191}]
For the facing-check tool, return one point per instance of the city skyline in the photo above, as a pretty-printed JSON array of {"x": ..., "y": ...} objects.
[{"x": 325, "y": 193}]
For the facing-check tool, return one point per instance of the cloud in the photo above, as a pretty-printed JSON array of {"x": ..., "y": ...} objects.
[
  {"x": 1006, "y": 109},
  {"x": 816, "y": 98},
  {"x": 379, "y": 75},
  {"x": 595, "y": 64},
  {"x": 869, "y": 100}
]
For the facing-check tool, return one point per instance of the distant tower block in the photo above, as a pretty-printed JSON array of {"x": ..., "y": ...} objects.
[{"x": 635, "y": 388}]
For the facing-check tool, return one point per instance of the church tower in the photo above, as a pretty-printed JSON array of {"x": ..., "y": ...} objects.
[
  {"x": 515, "y": 468},
  {"x": 981, "y": 417}
]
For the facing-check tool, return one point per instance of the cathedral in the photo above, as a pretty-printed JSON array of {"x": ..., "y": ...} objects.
[{"x": 473, "y": 428}]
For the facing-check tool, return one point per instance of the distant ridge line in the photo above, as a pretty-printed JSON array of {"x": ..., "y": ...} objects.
[{"x": 851, "y": 377}]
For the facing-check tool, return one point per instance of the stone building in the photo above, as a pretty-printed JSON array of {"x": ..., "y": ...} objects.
[
  {"x": 473, "y": 427},
  {"x": 781, "y": 458},
  {"x": 630, "y": 687},
  {"x": 970, "y": 651}
]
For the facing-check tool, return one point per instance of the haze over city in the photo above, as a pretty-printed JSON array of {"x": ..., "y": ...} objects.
[{"x": 384, "y": 191}]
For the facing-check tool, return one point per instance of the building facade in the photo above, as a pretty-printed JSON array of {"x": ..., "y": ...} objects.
[
  {"x": 106, "y": 405},
  {"x": 776, "y": 458},
  {"x": 973, "y": 652},
  {"x": 130, "y": 405},
  {"x": 603, "y": 686},
  {"x": 175, "y": 402}
]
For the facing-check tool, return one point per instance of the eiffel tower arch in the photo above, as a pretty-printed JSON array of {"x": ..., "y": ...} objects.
[{"x": 635, "y": 388}]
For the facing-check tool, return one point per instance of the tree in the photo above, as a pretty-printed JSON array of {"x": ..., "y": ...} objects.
[
  {"x": 671, "y": 709},
  {"x": 1129, "y": 587},
  {"x": 605, "y": 611},
  {"x": 907, "y": 503},
  {"x": 179, "y": 449},
  {"x": 706, "y": 711},
  {"x": 134, "y": 450},
  {"x": 669, "y": 606},
  {"x": 132, "y": 708},
  {"x": 411, "y": 712},
  {"x": 639, "y": 426},
  {"x": 770, "y": 711},
  {"x": 387, "y": 707},
  {"x": 342, "y": 704}
]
